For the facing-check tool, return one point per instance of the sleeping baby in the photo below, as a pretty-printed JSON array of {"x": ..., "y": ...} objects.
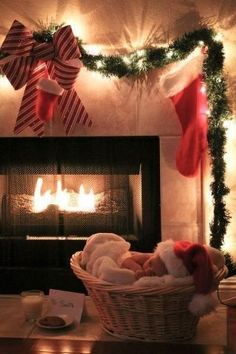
[{"x": 107, "y": 256}]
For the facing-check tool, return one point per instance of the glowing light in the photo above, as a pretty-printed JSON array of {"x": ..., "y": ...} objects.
[
  {"x": 127, "y": 60},
  {"x": 140, "y": 63},
  {"x": 75, "y": 28},
  {"x": 218, "y": 37},
  {"x": 229, "y": 245},
  {"x": 203, "y": 89},
  {"x": 4, "y": 82},
  {"x": 86, "y": 201},
  {"x": 99, "y": 64},
  {"x": 61, "y": 196},
  {"x": 66, "y": 201},
  {"x": 92, "y": 49},
  {"x": 141, "y": 53},
  {"x": 201, "y": 43},
  {"x": 230, "y": 126},
  {"x": 169, "y": 54}
]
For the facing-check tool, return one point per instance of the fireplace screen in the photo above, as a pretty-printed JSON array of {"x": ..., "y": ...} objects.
[
  {"x": 66, "y": 204},
  {"x": 73, "y": 187}
]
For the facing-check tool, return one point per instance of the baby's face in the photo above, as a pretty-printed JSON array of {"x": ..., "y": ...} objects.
[{"x": 154, "y": 266}]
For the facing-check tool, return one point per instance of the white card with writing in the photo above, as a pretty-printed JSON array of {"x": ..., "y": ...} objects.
[{"x": 66, "y": 302}]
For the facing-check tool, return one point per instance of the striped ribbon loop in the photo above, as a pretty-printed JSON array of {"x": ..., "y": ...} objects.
[
  {"x": 18, "y": 44},
  {"x": 28, "y": 61},
  {"x": 18, "y": 41},
  {"x": 67, "y": 63},
  {"x": 66, "y": 44}
]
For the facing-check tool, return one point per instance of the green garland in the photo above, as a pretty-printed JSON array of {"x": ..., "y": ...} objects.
[{"x": 140, "y": 62}]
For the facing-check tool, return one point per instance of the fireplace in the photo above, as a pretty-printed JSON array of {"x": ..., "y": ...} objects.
[{"x": 55, "y": 192}]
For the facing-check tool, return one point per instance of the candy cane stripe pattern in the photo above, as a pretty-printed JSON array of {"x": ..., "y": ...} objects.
[
  {"x": 67, "y": 63},
  {"x": 67, "y": 47},
  {"x": 18, "y": 71},
  {"x": 65, "y": 74},
  {"x": 72, "y": 111},
  {"x": 27, "y": 116},
  {"x": 18, "y": 41}
]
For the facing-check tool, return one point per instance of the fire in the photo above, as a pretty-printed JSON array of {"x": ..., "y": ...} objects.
[{"x": 65, "y": 200}]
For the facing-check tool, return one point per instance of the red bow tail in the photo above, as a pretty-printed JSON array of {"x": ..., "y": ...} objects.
[
  {"x": 72, "y": 111},
  {"x": 27, "y": 114}
]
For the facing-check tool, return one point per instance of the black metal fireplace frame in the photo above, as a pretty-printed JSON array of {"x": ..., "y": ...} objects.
[{"x": 88, "y": 151}]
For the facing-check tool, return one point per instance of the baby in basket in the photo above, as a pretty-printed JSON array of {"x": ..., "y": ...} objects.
[
  {"x": 179, "y": 258},
  {"x": 108, "y": 257}
]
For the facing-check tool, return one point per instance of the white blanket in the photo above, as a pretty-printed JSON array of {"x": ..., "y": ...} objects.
[{"x": 103, "y": 254}]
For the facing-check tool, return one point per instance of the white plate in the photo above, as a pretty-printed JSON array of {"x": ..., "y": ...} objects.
[{"x": 67, "y": 318}]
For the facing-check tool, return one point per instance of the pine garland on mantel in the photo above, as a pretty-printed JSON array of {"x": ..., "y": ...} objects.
[{"x": 140, "y": 62}]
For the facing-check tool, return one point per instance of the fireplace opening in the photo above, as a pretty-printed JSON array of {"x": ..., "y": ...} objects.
[
  {"x": 71, "y": 205},
  {"x": 57, "y": 189}
]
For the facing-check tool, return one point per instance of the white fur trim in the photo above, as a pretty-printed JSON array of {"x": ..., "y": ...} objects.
[
  {"x": 173, "y": 264},
  {"x": 201, "y": 304},
  {"x": 50, "y": 86},
  {"x": 182, "y": 73}
]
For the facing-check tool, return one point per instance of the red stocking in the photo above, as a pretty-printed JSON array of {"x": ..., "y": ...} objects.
[
  {"x": 191, "y": 105},
  {"x": 48, "y": 92}
]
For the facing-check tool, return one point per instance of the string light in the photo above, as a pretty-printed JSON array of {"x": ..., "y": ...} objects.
[
  {"x": 169, "y": 54},
  {"x": 201, "y": 43},
  {"x": 127, "y": 60},
  {"x": 141, "y": 53},
  {"x": 99, "y": 64},
  {"x": 203, "y": 88},
  {"x": 218, "y": 37},
  {"x": 140, "y": 63},
  {"x": 92, "y": 49}
]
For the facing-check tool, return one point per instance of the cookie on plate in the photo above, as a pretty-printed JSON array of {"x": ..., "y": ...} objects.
[{"x": 52, "y": 321}]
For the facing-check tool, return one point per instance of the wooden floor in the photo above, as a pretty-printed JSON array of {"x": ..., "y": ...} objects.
[{"x": 47, "y": 346}]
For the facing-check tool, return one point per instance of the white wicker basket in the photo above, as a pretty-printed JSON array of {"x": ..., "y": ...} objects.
[{"x": 148, "y": 314}]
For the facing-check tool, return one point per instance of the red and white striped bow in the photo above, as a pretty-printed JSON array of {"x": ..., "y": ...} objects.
[{"x": 28, "y": 61}]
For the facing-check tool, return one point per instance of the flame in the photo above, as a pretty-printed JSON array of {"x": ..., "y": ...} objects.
[{"x": 66, "y": 201}]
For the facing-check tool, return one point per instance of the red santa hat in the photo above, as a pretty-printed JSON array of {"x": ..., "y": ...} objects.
[{"x": 183, "y": 258}]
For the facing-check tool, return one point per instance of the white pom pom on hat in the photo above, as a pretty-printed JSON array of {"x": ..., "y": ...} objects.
[
  {"x": 182, "y": 258},
  {"x": 50, "y": 86}
]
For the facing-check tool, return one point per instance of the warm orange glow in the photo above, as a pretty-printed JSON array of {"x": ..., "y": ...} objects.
[
  {"x": 66, "y": 201},
  {"x": 4, "y": 83}
]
